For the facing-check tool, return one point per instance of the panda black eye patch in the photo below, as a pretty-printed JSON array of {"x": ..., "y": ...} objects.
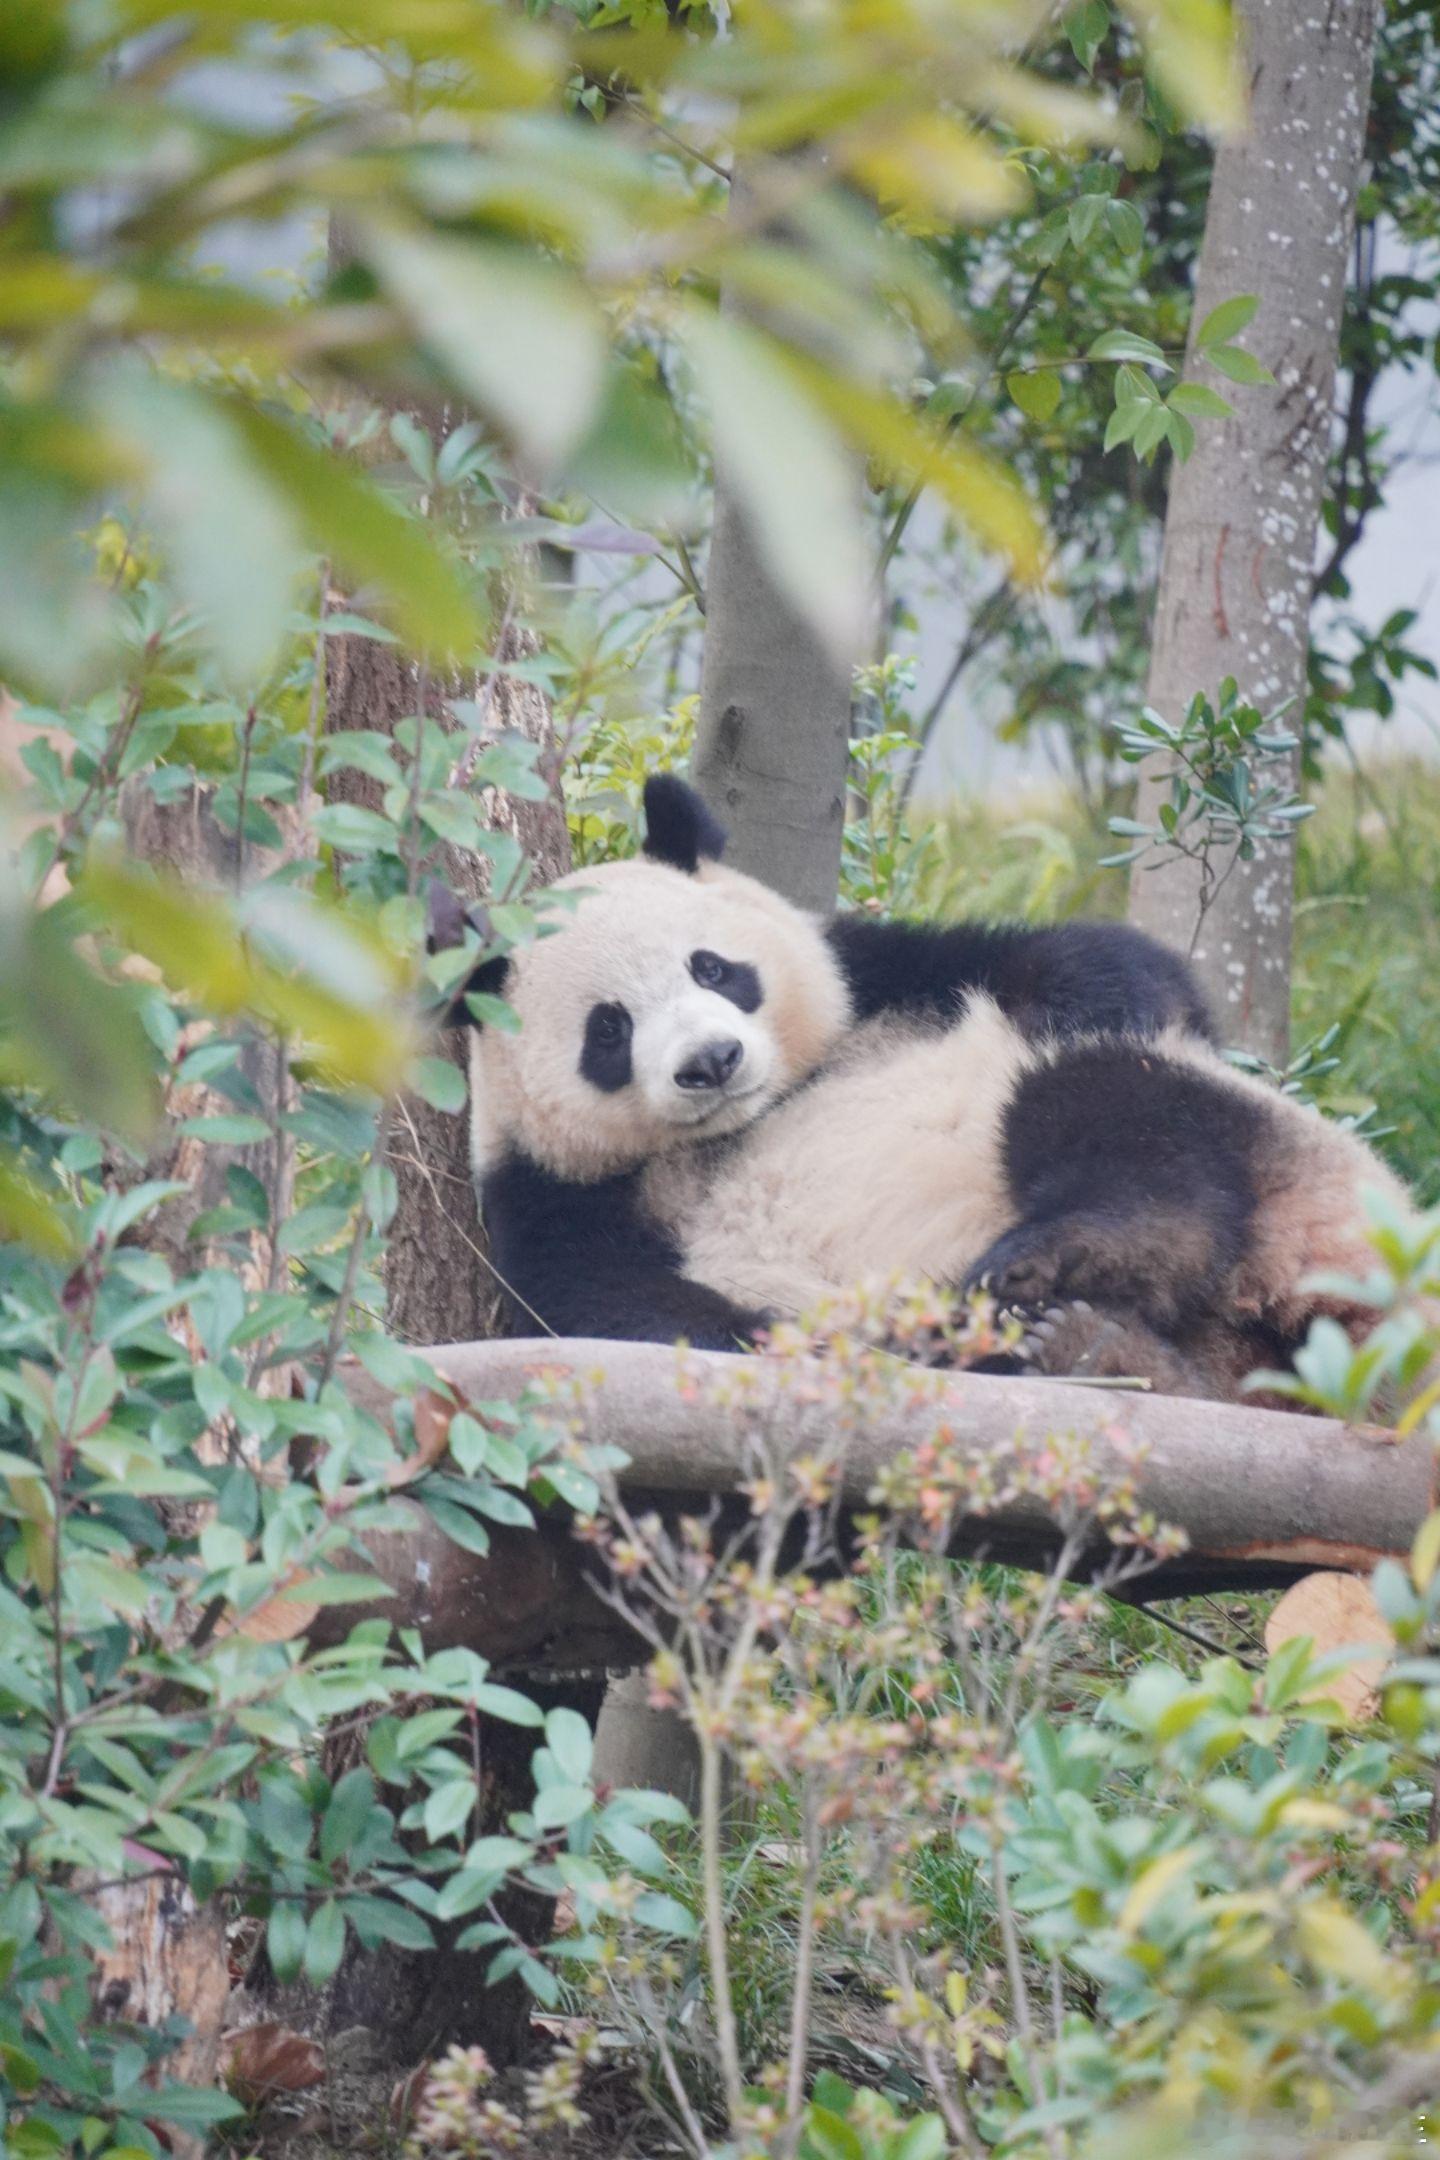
[
  {"x": 605, "y": 1055},
  {"x": 732, "y": 979}
]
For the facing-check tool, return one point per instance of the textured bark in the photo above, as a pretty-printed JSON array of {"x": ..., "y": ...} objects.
[
  {"x": 412, "y": 2004},
  {"x": 183, "y": 839},
  {"x": 168, "y": 1956},
  {"x": 1243, "y": 514},
  {"x": 438, "y": 1285},
  {"x": 774, "y": 731},
  {"x": 1265, "y": 1496},
  {"x": 773, "y": 741},
  {"x": 439, "y": 1288}
]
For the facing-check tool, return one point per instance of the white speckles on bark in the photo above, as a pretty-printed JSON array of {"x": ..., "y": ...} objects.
[{"x": 1241, "y": 525}]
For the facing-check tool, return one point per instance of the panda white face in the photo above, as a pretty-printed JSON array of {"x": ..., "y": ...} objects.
[{"x": 668, "y": 1008}]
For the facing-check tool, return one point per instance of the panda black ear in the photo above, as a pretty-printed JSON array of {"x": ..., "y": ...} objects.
[
  {"x": 679, "y": 830},
  {"x": 487, "y": 980},
  {"x": 448, "y": 921},
  {"x": 445, "y": 918}
]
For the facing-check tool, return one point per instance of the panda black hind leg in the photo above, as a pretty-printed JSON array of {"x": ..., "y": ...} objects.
[{"x": 1130, "y": 1177}]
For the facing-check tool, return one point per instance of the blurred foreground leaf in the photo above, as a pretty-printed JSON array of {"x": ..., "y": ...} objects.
[{"x": 324, "y": 986}]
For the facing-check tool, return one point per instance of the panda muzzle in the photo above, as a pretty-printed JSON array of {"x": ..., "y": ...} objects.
[{"x": 710, "y": 1067}]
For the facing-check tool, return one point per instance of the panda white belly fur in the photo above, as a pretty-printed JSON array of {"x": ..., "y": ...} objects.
[
  {"x": 890, "y": 1163},
  {"x": 886, "y": 1163}
]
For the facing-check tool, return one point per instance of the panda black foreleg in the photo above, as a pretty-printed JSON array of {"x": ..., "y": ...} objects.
[
  {"x": 578, "y": 1260},
  {"x": 1130, "y": 1176}
]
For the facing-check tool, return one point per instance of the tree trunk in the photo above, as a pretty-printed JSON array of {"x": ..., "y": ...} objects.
[
  {"x": 1243, "y": 514},
  {"x": 772, "y": 746},
  {"x": 439, "y": 1288},
  {"x": 773, "y": 741},
  {"x": 168, "y": 1957},
  {"x": 183, "y": 839},
  {"x": 437, "y": 1283}
]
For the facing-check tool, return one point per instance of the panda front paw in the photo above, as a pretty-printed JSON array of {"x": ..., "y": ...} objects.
[{"x": 1028, "y": 1270}]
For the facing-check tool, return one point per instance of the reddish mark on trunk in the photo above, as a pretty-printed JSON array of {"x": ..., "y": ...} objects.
[
  {"x": 1311, "y": 1552},
  {"x": 1222, "y": 622}
]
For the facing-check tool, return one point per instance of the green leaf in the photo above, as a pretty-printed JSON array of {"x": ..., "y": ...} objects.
[
  {"x": 1199, "y": 402},
  {"x": 324, "y": 1944},
  {"x": 1182, "y": 435},
  {"x": 1152, "y": 430},
  {"x": 447, "y": 1807},
  {"x": 1239, "y": 365},
  {"x": 310, "y": 1229},
  {"x": 31, "y": 1216},
  {"x": 370, "y": 541},
  {"x": 354, "y": 829},
  {"x": 1083, "y": 216},
  {"x": 196, "y": 2107},
  {"x": 1133, "y": 386},
  {"x": 634, "y": 459},
  {"x": 789, "y": 468},
  {"x": 636, "y": 1847},
  {"x": 1193, "y": 48},
  {"x": 344, "y": 1589},
  {"x": 195, "y": 939},
  {"x": 1227, "y": 320},
  {"x": 507, "y": 1703},
  {"x": 489, "y": 1854},
  {"x": 656, "y": 1909},
  {"x": 1037, "y": 395},
  {"x": 923, "y": 2139},
  {"x": 377, "y": 1919},
  {"x": 235, "y": 543},
  {"x": 1127, "y": 228},
  {"x": 575, "y": 1486},
  {"x": 560, "y": 1805},
  {"x": 285, "y": 1939},
  {"x": 441, "y": 1083},
  {"x": 230, "y": 1129},
  {"x": 458, "y": 1524},
  {"x": 919, "y": 451},
  {"x": 350, "y": 1808},
  {"x": 517, "y": 333},
  {"x": 1127, "y": 345},
  {"x": 1087, "y": 24},
  {"x": 466, "y": 1889},
  {"x": 830, "y": 2137},
  {"x": 567, "y": 1735},
  {"x": 67, "y": 1032},
  {"x": 492, "y": 1012}
]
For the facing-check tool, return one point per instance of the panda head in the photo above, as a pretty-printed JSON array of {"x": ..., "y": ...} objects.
[{"x": 671, "y": 1001}]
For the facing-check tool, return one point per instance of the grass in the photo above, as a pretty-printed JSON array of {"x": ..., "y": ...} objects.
[{"x": 1367, "y": 954}]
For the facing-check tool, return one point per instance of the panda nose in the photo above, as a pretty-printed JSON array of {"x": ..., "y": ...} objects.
[{"x": 710, "y": 1067}]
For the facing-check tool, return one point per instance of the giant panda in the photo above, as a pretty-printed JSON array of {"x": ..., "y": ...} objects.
[{"x": 718, "y": 1109}]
